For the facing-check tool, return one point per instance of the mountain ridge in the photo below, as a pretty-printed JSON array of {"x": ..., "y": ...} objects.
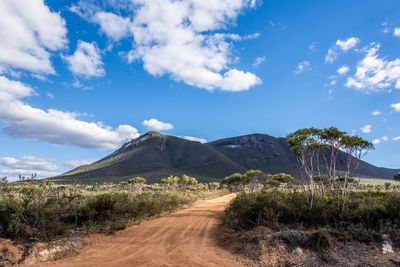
[{"x": 154, "y": 156}]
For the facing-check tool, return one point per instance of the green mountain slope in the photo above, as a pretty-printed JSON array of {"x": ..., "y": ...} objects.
[{"x": 155, "y": 156}]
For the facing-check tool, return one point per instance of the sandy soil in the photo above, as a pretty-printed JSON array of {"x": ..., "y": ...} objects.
[{"x": 183, "y": 238}]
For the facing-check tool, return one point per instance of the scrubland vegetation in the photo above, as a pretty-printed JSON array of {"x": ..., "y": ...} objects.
[
  {"x": 325, "y": 207},
  {"x": 42, "y": 210}
]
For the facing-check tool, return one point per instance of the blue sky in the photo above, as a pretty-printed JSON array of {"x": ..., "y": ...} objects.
[{"x": 78, "y": 78}]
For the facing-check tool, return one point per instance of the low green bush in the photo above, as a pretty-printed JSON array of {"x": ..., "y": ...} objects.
[
  {"x": 42, "y": 211},
  {"x": 362, "y": 216}
]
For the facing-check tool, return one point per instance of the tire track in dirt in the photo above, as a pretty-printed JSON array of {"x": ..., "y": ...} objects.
[{"x": 183, "y": 238}]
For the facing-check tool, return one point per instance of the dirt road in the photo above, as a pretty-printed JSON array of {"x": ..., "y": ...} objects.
[{"x": 183, "y": 238}]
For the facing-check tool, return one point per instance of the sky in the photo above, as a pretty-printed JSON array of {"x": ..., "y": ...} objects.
[{"x": 80, "y": 78}]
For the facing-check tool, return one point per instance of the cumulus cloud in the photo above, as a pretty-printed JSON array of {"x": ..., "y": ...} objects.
[
  {"x": 347, "y": 44},
  {"x": 195, "y": 139},
  {"x": 258, "y": 61},
  {"x": 303, "y": 66},
  {"x": 113, "y": 26},
  {"x": 366, "y": 129},
  {"x": 86, "y": 61},
  {"x": 53, "y": 126},
  {"x": 29, "y": 163},
  {"x": 396, "y": 32},
  {"x": 29, "y": 32},
  {"x": 156, "y": 125},
  {"x": 376, "y": 141},
  {"x": 396, "y": 107},
  {"x": 343, "y": 70},
  {"x": 179, "y": 39},
  {"x": 376, "y": 113},
  {"x": 375, "y": 74},
  {"x": 43, "y": 167},
  {"x": 251, "y": 36},
  {"x": 396, "y": 138},
  {"x": 341, "y": 45},
  {"x": 331, "y": 56}
]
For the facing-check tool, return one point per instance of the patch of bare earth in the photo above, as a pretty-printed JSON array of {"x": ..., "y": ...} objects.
[{"x": 183, "y": 238}]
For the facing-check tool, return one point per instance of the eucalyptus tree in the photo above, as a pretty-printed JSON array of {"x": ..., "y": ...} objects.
[
  {"x": 332, "y": 137},
  {"x": 361, "y": 148},
  {"x": 349, "y": 145},
  {"x": 303, "y": 144}
]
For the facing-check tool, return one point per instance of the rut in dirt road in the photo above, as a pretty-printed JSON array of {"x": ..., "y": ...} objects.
[{"x": 183, "y": 238}]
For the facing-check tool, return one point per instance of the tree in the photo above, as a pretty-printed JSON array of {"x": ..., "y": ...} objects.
[
  {"x": 254, "y": 179},
  {"x": 235, "y": 182},
  {"x": 275, "y": 180},
  {"x": 331, "y": 137},
  {"x": 397, "y": 176},
  {"x": 361, "y": 148},
  {"x": 303, "y": 144}
]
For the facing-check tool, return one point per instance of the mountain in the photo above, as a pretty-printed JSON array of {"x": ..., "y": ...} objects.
[{"x": 154, "y": 156}]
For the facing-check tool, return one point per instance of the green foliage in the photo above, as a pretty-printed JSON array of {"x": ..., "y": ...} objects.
[
  {"x": 42, "y": 210},
  {"x": 397, "y": 176},
  {"x": 362, "y": 216},
  {"x": 319, "y": 240},
  {"x": 255, "y": 180},
  {"x": 137, "y": 180}
]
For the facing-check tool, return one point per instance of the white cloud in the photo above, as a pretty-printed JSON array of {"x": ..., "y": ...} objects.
[
  {"x": 156, "y": 125},
  {"x": 396, "y": 107},
  {"x": 72, "y": 164},
  {"x": 366, "y": 129},
  {"x": 251, "y": 36},
  {"x": 340, "y": 45},
  {"x": 258, "y": 61},
  {"x": 53, "y": 126},
  {"x": 313, "y": 46},
  {"x": 396, "y": 138},
  {"x": 86, "y": 61},
  {"x": 331, "y": 56},
  {"x": 29, "y": 31},
  {"x": 375, "y": 74},
  {"x": 29, "y": 163},
  {"x": 376, "y": 113},
  {"x": 12, "y": 174},
  {"x": 112, "y": 25},
  {"x": 343, "y": 70},
  {"x": 303, "y": 66},
  {"x": 195, "y": 139},
  {"x": 386, "y": 27},
  {"x": 347, "y": 44},
  {"x": 396, "y": 32},
  {"x": 43, "y": 167},
  {"x": 179, "y": 39},
  {"x": 376, "y": 141},
  {"x": 50, "y": 95}
]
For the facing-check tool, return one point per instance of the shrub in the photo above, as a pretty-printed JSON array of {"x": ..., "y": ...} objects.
[
  {"x": 397, "y": 176},
  {"x": 41, "y": 210},
  {"x": 362, "y": 216},
  {"x": 319, "y": 240}
]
